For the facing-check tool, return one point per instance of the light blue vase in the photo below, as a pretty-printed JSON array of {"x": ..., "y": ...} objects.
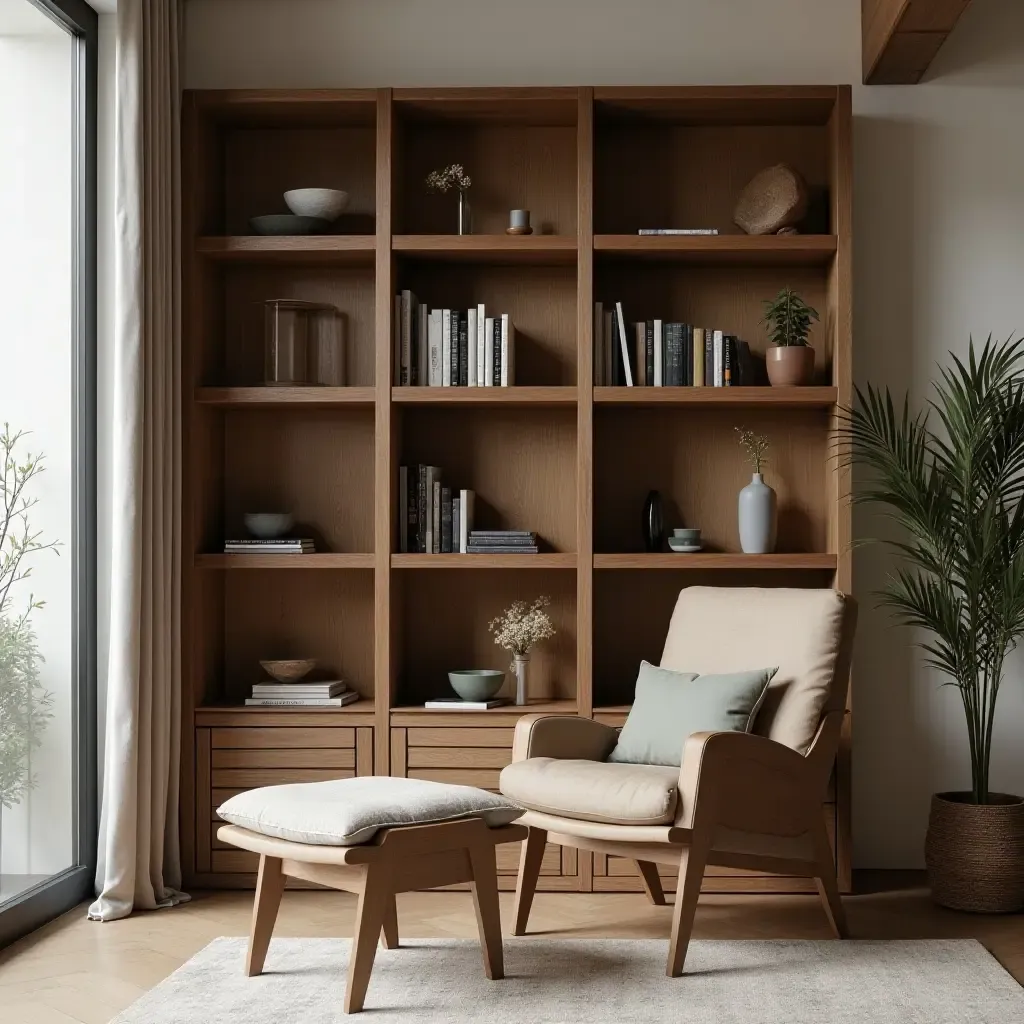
[{"x": 757, "y": 517}]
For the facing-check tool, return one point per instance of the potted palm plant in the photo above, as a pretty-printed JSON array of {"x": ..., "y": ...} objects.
[
  {"x": 952, "y": 478},
  {"x": 789, "y": 359}
]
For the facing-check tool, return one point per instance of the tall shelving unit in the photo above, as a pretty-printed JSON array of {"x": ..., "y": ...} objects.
[{"x": 552, "y": 454}]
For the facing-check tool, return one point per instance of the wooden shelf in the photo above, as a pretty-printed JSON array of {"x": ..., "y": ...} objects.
[
  {"x": 485, "y": 396},
  {"x": 746, "y": 397},
  {"x": 738, "y": 250},
  {"x": 537, "y": 249},
  {"x": 257, "y": 561},
  {"x": 417, "y": 715},
  {"x": 272, "y": 397},
  {"x": 714, "y": 560},
  {"x": 352, "y": 249},
  {"x": 227, "y": 714},
  {"x": 558, "y": 560}
]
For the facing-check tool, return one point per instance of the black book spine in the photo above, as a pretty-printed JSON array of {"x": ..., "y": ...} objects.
[
  {"x": 496, "y": 365},
  {"x": 421, "y": 500},
  {"x": 709, "y": 357},
  {"x": 411, "y": 510},
  {"x": 453, "y": 361},
  {"x": 446, "y": 520},
  {"x": 687, "y": 368},
  {"x": 649, "y": 352},
  {"x": 464, "y": 350},
  {"x": 728, "y": 359},
  {"x": 675, "y": 354}
]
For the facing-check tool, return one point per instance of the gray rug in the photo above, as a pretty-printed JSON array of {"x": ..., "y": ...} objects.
[{"x": 600, "y": 980}]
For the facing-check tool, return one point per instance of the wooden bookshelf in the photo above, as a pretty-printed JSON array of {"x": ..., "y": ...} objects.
[{"x": 552, "y": 454}]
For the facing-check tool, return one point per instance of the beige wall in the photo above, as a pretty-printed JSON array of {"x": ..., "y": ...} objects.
[{"x": 939, "y": 233}]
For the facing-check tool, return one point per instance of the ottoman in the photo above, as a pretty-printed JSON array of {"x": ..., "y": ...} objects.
[{"x": 373, "y": 836}]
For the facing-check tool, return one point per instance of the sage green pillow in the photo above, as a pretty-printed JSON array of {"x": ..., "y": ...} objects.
[{"x": 669, "y": 706}]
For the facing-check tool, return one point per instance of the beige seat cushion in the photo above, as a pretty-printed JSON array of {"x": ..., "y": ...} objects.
[
  {"x": 730, "y": 629},
  {"x": 615, "y": 794}
]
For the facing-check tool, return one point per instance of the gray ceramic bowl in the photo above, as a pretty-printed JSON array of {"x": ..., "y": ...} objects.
[
  {"x": 328, "y": 203},
  {"x": 268, "y": 525},
  {"x": 686, "y": 536},
  {"x": 476, "y": 683},
  {"x": 288, "y": 224}
]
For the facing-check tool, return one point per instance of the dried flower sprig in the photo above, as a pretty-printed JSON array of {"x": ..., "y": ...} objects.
[
  {"x": 522, "y": 625},
  {"x": 452, "y": 176},
  {"x": 755, "y": 445}
]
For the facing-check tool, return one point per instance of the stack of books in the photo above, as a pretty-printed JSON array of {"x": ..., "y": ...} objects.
[
  {"x": 434, "y": 519},
  {"x": 330, "y": 693},
  {"x": 458, "y": 704},
  {"x": 660, "y": 353},
  {"x": 502, "y": 542},
  {"x": 277, "y": 546},
  {"x": 451, "y": 347}
]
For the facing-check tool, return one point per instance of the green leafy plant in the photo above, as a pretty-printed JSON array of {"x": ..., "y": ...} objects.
[
  {"x": 755, "y": 445},
  {"x": 788, "y": 319},
  {"x": 24, "y": 704},
  {"x": 955, "y": 493}
]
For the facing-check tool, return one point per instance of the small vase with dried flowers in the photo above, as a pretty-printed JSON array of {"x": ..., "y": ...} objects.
[
  {"x": 757, "y": 501},
  {"x": 519, "y": 629},
  {"x": 444, "y": 180}
]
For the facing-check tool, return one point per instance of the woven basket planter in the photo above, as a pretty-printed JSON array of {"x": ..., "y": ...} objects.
[{"x": 975, "y": 853}]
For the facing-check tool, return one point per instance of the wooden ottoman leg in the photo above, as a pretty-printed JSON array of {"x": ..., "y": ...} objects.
[
  {"x": 529, "y": 871},
  {"x": 373, "y": 906},
  {"x": 269, "y": 887},
  {"x": 389, "y": 933},
  {"x": 488, "y": 914}
]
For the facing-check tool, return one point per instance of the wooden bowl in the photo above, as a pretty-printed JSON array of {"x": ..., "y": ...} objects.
[{"x": 289, "y": 671}]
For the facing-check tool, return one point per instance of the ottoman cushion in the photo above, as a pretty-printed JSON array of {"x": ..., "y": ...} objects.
[{"x": 347, "y": 812}]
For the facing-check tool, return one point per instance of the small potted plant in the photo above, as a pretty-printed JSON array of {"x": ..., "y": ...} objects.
[
  {"x": 756, "y": 512},
  {"x": 444, "y": 180},
  {"x": 518, "y": 629},
  {"x": 789, "y": 359}
]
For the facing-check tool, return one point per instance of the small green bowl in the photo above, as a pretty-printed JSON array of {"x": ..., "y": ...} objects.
[{"x": 476, "y": 683}]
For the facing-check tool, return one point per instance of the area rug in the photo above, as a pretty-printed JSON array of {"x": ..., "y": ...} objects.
[{"x": 552, "y": 981}]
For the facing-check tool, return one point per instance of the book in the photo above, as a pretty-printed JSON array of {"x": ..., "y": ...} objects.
[
  {"x": 687, "y": 368},
  {"x": 428, "y": 509},
  {"x": 598, "y": 344},
  {"x": 263, "y": 542},
  {"x": 280, "y": 548},
  {"x": 458, "y": 704},
  {"x": 674, "y": 354},
  {"x": 481, "y": 326},
  {"x": 483, "y": 534},
  {"x": 508, "y": 351},
  {"x": 421, "y": 509},
  {"x": 495, "y": 370},
  {"x": 467, "y": 500},
  {"x": 446, "y": 520},
  {"x": 434, "y": 375},
  {"x": 303, "y": 702},
  {"x": 678, "y": 231},
  {"x": 446, "y": 348},
  {"x": 659, "y": 353},
  {"x": 503, "y": 549},
  {"x": 709, "y": 358},
  {"x": 488, "y": 367},
  {"x": 329, "y": 688},
  {"x": 456, "y": 522},
  {"x": 649, "y": 354},
  {"x": 626, "y": 369},
  {"x": 698, "y": 357},
  {"x": 435, "y": 515},
  {"x": 408, "y": 300},
  {"x": 423, "y": 347},
  {"x": 482, "y": 542},
  {"x": 719, "y": 368},
  {"x": 640, "y": 348},
  {"x": 728, "y": 358},
  {"x": 403, "y": 509},
  {"x": 396, "y": 340},
  {"x": 456, "y": 350},
  {"x": 471, "y": 345},
  {"x": 608, "y": 350}
]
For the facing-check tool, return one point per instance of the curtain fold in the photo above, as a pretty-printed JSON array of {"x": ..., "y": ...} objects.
[{"x": 139, "y": 861}]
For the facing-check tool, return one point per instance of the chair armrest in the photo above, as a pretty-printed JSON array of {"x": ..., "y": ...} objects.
[
  {"x": 744, "y": 781},
  {"x": 562, "y": 736}
]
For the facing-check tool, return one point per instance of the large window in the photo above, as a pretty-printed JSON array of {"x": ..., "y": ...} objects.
[{"x": 47, "y": 497}]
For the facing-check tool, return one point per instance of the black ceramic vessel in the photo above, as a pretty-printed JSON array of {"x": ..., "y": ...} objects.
[{"x": 654, "y": 522}]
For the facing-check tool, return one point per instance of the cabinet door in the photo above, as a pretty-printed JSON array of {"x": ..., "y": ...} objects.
[
  {"x": 474, "y": 756},
  {"x": 231, "y": 760}
]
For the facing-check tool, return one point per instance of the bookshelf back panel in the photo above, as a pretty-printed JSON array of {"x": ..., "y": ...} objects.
[
  {"x": 318, "y": 465},
  {"x": 693, "y": 459},
  {"x": 298, "y": 614},
  {"x": 721, "y": 298},
  {"x": 245, "y": 289},
  {"x": 512, "y": 166},
  {"x": 541, "y": 302},
  {"x": 632, "y": 609},
  {"x": 649, "y": 175},
  {"x": 520, "y": 462},
  {"x": 261, "y": 164},
  {"x": 445, "y": 613}
]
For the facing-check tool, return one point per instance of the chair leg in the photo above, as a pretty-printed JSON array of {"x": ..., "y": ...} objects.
[
  {"x": 828, "y": 887},
  {"x": 389, "y": 933},
  {"x": 488, "y": 913},
  {"x": 529, "y": 872},
  {"x": 374, "y": 898},
  {"x": 691, "y": 873},
  {"x": 651, "y": 881},
  {"x": 269, "y": 888}
]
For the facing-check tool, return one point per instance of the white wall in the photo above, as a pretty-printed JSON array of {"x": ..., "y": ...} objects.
[{"x": 939, "y": 213}]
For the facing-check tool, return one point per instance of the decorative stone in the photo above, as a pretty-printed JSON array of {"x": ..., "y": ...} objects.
[
  {"x": 788, "y": 231},
  {"x": 774, "y": 198}
]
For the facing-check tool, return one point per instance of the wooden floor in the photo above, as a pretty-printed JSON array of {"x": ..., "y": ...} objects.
[{"x": 78, "y": 971}]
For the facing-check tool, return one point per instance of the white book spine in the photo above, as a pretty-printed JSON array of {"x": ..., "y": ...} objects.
[
  {"x": 423, "y": 346},
  {"x": 446, "y": 348},
  {"x": 598, "y": 353},
  {"x": 624, "y": 343},
  {"x": 471, "y": 333},
  {"x": 434, "y": 332},
  {"x": 506, "y": 353},
  {"x": 396, "y": 338},
  {"x": 488, "y": 351},
  {"x": 719, "y": 377},
  {"x": 659, "y": 362},
  {"x": 403, "y": 509},
  {"x": 407, "y": 307},
  {"x": 481, "y": 321}
]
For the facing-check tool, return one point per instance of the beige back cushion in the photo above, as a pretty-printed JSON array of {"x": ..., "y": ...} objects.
[{"x": 807, "y": 633}]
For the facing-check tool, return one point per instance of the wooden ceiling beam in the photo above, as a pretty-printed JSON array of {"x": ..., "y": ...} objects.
[{"x": 900, "y": 38}]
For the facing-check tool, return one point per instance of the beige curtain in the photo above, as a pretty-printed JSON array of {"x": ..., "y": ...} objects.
[{"x": 139, "y": 860}]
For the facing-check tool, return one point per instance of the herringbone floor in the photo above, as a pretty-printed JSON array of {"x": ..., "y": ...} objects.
[{"x": 77, "y": 971}]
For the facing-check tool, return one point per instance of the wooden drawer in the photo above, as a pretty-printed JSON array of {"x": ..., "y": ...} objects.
[
  {"x": 282, "y": 738},
  {"x": 310, "y": 757}
]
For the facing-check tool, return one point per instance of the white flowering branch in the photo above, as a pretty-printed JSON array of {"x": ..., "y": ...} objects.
[{"x": 521, "y": 626}]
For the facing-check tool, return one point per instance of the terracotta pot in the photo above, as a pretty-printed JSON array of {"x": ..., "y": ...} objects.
[
  {"x": 975, "y": 852},
  {"x": 790, "y": 365}
]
